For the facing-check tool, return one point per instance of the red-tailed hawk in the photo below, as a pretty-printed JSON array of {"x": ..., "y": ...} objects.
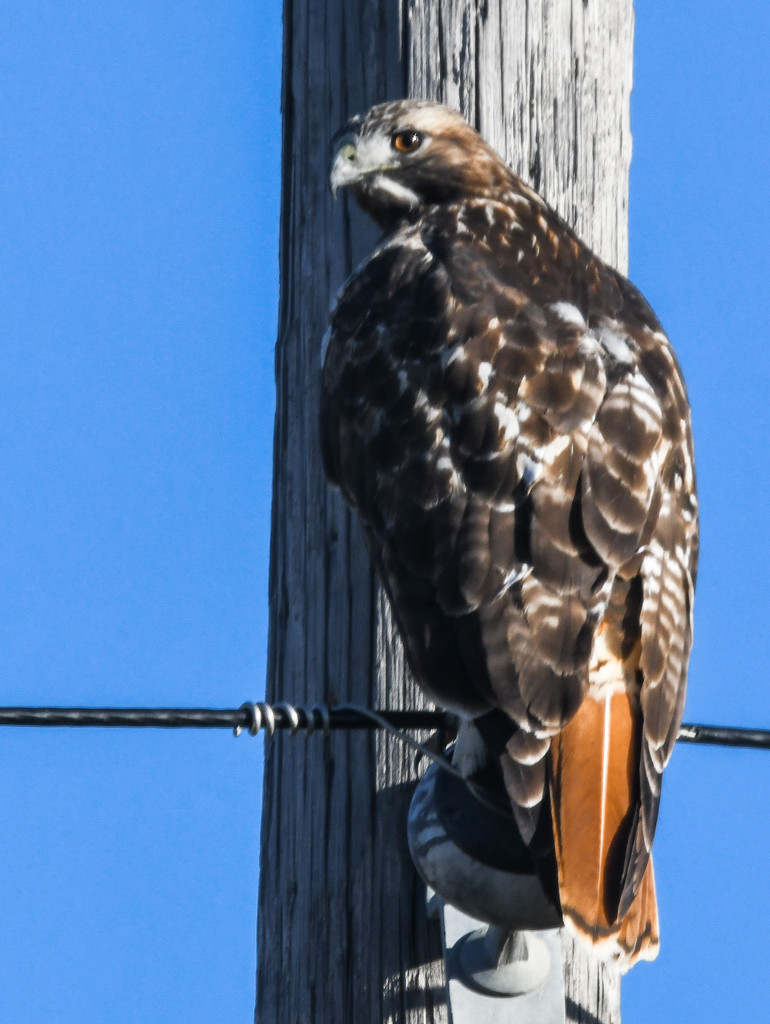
[{"x": 507, "y": 417}]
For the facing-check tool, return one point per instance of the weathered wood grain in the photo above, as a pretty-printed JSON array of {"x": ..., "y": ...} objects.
[{"x": 343, "y": 936}]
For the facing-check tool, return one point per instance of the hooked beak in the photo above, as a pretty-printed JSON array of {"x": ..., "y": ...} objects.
[{"x": 345, "y": 167}]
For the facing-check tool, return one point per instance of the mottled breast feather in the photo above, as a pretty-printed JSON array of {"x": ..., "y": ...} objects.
[{"x": 506, "y": 415}]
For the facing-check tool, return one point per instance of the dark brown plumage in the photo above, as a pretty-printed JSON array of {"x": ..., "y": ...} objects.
[{"x": 510, "y": 422}]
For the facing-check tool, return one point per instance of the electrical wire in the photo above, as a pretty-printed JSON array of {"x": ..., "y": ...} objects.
[
  {"x": 261, "y": 716},
  {"x": 253, "y": 717}
]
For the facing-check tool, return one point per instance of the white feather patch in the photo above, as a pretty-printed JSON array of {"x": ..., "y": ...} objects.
[
  {"x": 389, "y": 186},
  {"x": 569, "y": 313},
  {"x": 470, "y": 752},
  {"x": 615, "y": 345}
]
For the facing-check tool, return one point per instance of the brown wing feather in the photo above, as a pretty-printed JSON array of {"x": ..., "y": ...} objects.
[{"x": 639, "y": 932}]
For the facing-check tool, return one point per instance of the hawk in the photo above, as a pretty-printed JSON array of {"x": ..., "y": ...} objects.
[{"x": 508, "y": 419}]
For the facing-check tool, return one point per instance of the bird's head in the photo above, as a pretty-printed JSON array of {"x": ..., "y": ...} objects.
[{"x": 403, "y": 156}]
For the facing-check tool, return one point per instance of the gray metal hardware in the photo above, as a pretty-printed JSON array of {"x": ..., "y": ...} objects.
[{"x": 500, "y": 933}]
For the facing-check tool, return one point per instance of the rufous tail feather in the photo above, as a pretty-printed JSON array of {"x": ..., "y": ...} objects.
[{"x": 594, "y": 800}]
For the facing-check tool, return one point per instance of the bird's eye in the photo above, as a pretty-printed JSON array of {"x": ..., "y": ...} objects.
[{"x": 407, "y": 141}]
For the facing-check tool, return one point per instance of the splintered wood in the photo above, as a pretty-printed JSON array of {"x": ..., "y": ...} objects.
[{"x": 343, "y": 935}]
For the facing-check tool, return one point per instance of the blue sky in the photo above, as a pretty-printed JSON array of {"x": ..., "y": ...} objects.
[{"x": 139, "y": 191}]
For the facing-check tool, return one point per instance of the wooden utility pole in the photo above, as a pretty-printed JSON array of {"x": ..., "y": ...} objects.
[{"x": 343, "y": 935}]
